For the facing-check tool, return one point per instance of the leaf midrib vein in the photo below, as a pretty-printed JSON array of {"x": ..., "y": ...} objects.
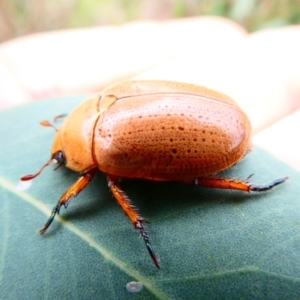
[{"x": 75, "y": 230}]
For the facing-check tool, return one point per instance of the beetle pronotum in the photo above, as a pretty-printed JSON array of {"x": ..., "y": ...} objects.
[{"x": 155, "y": 130}]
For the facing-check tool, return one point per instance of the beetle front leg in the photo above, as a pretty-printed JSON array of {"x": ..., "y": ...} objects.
[
  {"x": 134, "y": 217},
  {"x": 235, "y": 184},
  {"x": 71, "y": 192}
]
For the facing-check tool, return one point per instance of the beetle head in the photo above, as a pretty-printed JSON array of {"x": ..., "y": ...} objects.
[{"x": 73, "y": 142}]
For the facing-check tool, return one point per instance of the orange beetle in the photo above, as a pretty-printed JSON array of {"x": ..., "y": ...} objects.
[{"x": 155, "y": 130}]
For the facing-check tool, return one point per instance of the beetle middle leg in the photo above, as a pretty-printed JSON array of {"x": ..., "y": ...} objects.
[
  {"x": 71, "y": 192},
  {"x": 235, "y": 184},
  {"x": 135, "y": 218}
]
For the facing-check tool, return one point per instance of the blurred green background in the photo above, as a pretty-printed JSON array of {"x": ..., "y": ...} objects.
[{"x": 20, "y": 17}]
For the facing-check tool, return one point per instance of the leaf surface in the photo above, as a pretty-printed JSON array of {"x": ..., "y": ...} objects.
[{"x": 212, "y": 244}]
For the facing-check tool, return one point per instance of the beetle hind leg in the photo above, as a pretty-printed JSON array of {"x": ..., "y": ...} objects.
[
  {"x": 135, "y": 218},
  {"x": 71, "y": 192},
  {"x": 235, "y": 184}
]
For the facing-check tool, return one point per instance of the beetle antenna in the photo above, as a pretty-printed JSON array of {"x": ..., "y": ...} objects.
[
  {"x": 31, "y": 176},
  {"x": 48, "y": 124},
  {"x": 56, "y": 118}
]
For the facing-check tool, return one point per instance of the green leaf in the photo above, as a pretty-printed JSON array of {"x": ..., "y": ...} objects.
[{"x": 212, "y": 244}]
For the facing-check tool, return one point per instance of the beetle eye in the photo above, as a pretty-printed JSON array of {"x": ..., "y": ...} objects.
[{"x": 59, "y": 157}]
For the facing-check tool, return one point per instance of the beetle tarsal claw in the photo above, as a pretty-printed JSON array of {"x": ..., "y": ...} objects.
[
  {"x": 55, "y": 211},
  {"x": 262, "y": 188},
  {"x": 139, "y": 226},
  {"x": 152, "y": 254}
]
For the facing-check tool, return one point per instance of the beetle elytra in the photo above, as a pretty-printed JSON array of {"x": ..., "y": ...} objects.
[{"x": 155, "y": 130}]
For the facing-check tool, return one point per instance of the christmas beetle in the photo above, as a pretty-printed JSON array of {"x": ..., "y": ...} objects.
[{"x": 154, "y": 130}]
